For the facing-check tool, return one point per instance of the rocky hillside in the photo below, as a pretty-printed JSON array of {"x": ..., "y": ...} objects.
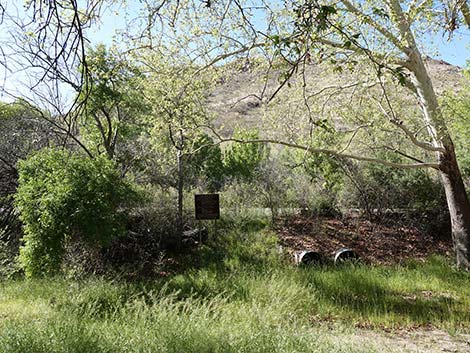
[{"x": 242, "y": 93}]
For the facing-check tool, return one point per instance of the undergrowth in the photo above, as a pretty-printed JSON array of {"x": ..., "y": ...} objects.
[{"x": 239, "y": 295}]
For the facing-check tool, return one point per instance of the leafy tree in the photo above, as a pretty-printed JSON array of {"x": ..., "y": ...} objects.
[
  {"x": 177, "y": 94},
  {"x": 379, "y": 41},
  {"x": 242, "y": 161},
  {"x": 205, "y": 162},
  {"x": 385, "y": 35},
  {"x": 112, "y": 119},
  {"x": 63, "y": 196}
]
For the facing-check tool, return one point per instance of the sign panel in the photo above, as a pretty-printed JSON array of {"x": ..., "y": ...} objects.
[{"x": 207, "y": 206}]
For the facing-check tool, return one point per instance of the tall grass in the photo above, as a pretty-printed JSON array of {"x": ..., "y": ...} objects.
[
  {"x": 238, "y": 295},
  {"x": 103, "y": 316}
]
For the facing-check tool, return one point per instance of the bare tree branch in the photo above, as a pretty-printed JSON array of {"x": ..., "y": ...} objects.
[
  {"x": 465, "y": 12},
  {"x": 334, "y": 153}
]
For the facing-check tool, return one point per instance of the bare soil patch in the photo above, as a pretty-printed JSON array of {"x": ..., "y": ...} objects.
[
  {"x": 417, "y": 341},
  {"x": 376, "y": 243}
]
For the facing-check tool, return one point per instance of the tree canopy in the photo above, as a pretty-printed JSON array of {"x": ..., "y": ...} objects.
[{"x": 377, "y": 103}]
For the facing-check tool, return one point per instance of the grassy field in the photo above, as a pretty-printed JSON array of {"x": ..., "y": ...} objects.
[{"x": 241, "y": 296}]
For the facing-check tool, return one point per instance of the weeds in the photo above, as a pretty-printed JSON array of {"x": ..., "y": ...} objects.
[{"x": 241, "y": 297}]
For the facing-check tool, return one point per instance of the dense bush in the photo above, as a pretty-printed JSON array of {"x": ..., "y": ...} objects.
[
  {"x": 21, "y": 131},
  {"x": 242, "y": 160},
  {"x": 63, "y": 196},
  {"x": 204, "y": 164},
  {"x": 375, "y": 188}
]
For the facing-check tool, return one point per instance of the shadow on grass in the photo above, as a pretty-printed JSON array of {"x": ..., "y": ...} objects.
[
  {"x": 420, "y": 293},
  {"x": 365, "y": 294}
]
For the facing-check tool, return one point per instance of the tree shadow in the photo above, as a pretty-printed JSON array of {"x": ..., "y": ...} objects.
[{"x": 357, "y": 295}]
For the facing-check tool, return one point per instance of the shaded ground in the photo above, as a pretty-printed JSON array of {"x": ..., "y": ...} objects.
[{"x": 376, "y": 243}]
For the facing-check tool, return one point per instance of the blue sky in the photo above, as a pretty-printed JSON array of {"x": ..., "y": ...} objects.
[{"x": 455, "y": 51}]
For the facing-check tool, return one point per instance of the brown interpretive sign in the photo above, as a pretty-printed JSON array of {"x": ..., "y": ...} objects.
[{"x": 207, "y": 206}]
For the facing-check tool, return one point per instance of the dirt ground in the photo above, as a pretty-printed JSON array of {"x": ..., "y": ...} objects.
[
  {"x": 376, "y": 243},
  {"x": 416, "y": 341}
]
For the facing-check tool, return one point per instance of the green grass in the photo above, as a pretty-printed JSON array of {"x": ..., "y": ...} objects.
[
  {"x": 102, "y": 316},
  {"x": 242, "y": 297}
]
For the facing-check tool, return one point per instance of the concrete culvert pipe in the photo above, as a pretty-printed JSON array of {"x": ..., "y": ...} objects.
[
  {"x": 346, "y": 255},
  {"x": 308, "y": 258}
]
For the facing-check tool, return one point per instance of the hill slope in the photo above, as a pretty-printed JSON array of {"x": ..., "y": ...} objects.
[{"x": 242, "y": 93}]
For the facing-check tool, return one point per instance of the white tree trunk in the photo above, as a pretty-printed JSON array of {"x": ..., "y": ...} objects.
[{"x": 457, "y": 199}]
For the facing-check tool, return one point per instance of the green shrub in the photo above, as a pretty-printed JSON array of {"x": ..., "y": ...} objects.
[
  {"x": 63, "y": 196},
  {"x": 204, "y": 163},
  {"x": 242, "y": 160},
  {"x": 375, "y": 188}
]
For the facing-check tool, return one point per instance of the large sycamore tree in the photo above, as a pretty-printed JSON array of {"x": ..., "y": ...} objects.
[{"x": 387, "y": 36}]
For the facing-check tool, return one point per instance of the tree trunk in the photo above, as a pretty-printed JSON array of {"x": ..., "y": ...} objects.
[
  {"x": 457, "y": 199},
  {"x": 459, "y": 207},
  {"x": 451, "y": 178},
  {"x": 179, "y": 215}
]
